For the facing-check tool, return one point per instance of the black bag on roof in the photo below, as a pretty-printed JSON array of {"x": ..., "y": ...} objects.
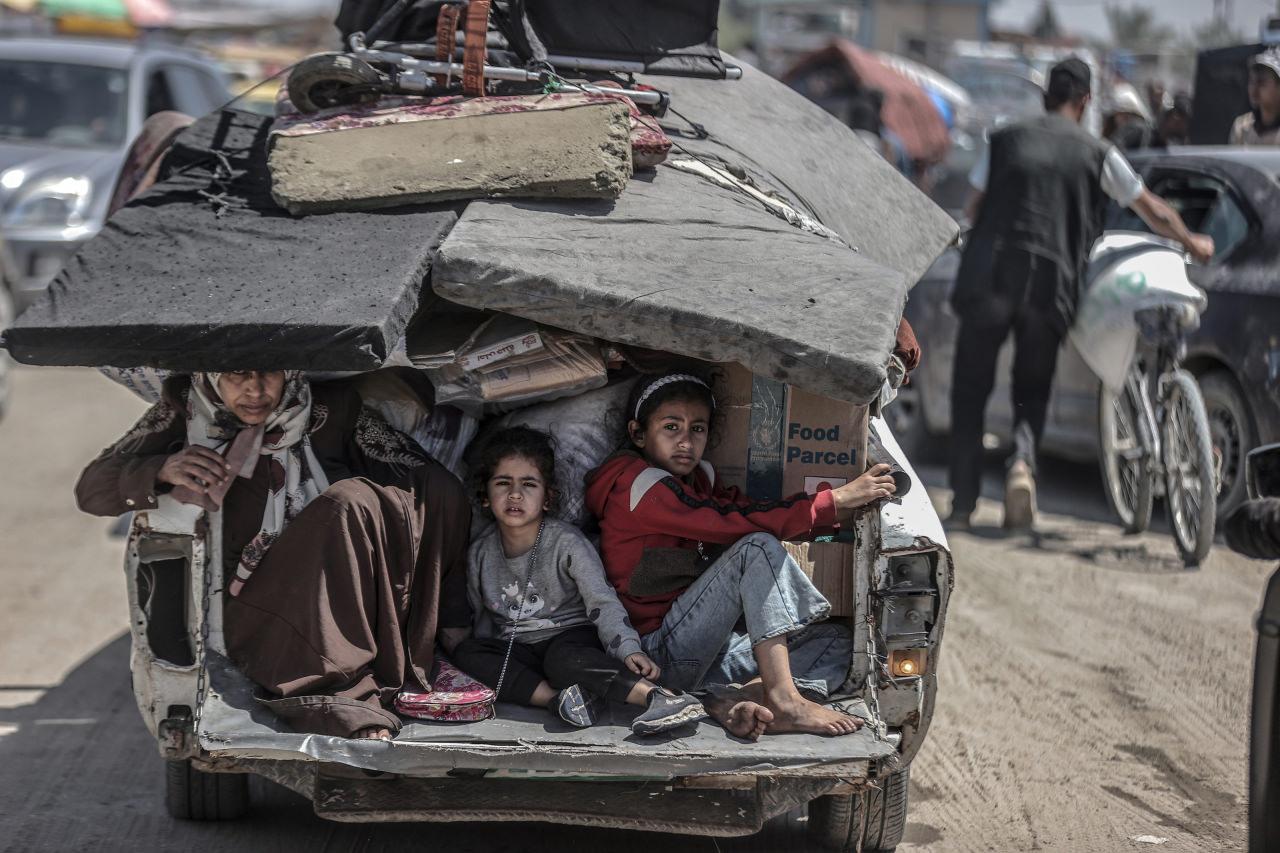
[{"x": 661, "y": 36}]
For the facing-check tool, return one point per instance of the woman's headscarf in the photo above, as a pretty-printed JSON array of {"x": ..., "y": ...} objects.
[{"x": 296, "y": 477}]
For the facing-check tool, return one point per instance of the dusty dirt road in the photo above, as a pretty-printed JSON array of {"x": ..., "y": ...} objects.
[{"x": 1092, "y": 691}]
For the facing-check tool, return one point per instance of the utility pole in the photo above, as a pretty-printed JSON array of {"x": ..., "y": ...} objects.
[{"x": 1222, "y": 10}]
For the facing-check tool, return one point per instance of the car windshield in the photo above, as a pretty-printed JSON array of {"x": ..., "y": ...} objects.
[
  {"x": 65, "y": 104},
  {"x": 993, "y": 86}
]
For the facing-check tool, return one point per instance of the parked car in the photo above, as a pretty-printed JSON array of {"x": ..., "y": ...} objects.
[
  {"x": 1231, "y": 194},
  {"x": 68, "y": 110}
]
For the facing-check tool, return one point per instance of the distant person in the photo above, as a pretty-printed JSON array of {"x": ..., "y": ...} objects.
[
  {"x": 862, "y": 114},
  {"x": 1039, "y": 202},
  {"x": 1261, "y": 125},
  {"x": 1158, "y": 99},
  {"x": 1174, "y": 127},
  {"x": 1126, "y": 119}
]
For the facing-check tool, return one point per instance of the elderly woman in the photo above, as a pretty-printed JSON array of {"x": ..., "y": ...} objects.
[{"x": 344, "y": 545}]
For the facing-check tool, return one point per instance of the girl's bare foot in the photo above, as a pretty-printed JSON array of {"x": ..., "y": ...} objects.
[
  {"x": 794, "y": 713},
  {"x": 372, "y": 733},
  {"x": 738, "y": 713}
]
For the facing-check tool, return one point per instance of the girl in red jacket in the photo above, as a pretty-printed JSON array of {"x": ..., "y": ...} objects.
[{"x": 693, "y": 562}]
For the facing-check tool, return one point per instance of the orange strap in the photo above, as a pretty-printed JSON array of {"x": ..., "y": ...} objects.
[
  {"x": 474, "y": 48},
  {"x": 446, "y": 33}
]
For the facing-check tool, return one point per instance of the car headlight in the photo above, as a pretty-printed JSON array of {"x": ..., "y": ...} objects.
[{"x": 51, "y": 203}]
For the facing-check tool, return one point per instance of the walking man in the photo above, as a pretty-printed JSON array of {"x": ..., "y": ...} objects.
[
  {"x": 1039, "y": 202},
  {"x": 1261, "y": 125}
]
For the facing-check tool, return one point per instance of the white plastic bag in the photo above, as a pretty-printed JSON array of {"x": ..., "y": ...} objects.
[
  {"x": 1128, "y": 272},
  {"x": 146, "y": 382},
  {"x": 442, "y": 431},
  {"x": 584, "y": 430}
]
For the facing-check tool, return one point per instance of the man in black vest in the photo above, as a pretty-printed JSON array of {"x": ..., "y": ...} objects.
[{"x": 1038, "y": 207}]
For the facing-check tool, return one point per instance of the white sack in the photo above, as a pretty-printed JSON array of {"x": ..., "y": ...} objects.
[{"x": 1128, "y": 272}]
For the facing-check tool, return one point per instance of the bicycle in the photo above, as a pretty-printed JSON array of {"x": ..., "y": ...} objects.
[{"x": 1155, "y": 432}]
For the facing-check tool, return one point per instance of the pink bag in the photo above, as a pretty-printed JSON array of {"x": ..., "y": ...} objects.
[{"x": 455, "y": 697}]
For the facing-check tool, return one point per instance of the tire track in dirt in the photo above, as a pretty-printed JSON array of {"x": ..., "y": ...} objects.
[{"x": 1091, "y": 690}]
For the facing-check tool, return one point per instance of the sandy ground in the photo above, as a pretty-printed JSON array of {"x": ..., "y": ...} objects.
[{"x": 1092, "y": 690}]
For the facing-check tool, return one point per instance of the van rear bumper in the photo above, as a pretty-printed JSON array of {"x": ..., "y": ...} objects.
[
  {"x": 718, "y": 805},
  {"x": 619, "y": 805}
]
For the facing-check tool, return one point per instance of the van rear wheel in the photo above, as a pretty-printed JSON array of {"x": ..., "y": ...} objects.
[
  {"x": 836, "y": 820},
  {"x": 191, "y": 794}
]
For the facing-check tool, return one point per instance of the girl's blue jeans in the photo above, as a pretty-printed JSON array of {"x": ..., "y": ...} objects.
[{"x": 753, "y": 592}]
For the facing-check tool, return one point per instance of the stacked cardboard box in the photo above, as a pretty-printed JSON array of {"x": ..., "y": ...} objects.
[
  {"x": 774, "y": 440},
  {"x": 830, "y": 566}
]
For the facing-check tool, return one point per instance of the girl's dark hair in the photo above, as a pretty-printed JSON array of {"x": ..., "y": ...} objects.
[
  {"x": 685, "y": 391},
  {"x": 522, "y": 441}
]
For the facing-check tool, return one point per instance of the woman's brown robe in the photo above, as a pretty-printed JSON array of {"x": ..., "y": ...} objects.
[{"x": 343, "y": 610}]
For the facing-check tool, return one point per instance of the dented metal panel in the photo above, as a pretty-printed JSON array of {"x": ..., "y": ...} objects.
[{"x": 907, "y": 523}]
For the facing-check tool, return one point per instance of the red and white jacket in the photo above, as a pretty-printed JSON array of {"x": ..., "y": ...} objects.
[{"x": 642, "y": 508}]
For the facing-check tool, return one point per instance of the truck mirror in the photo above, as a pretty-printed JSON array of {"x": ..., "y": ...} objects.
[{"x": 1262, "y": 471}]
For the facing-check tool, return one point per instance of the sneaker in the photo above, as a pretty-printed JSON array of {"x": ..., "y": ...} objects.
[
  {"x": 579, "y": 707},
  {"x": 1019, "y": 497},
  {"x": 665, "y": 710},
  {"x": 958, "y": 520}
]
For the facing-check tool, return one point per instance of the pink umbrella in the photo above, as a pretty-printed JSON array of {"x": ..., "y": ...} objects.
[{"x": 149, "y": 13}]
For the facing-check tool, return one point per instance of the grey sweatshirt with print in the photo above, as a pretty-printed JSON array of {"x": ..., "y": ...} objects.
[{"x": 567, "y": 588}]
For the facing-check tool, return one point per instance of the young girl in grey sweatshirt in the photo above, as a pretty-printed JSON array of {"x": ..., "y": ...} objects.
[{"x": 539, "y": 581}]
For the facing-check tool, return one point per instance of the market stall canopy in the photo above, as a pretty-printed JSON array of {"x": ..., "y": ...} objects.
[
  {"x": 928, "y": 79},
  {"x": 139, "y": 13},
  {"x": 690, "y": 261},
  {"x": 843, "y": 69},
  {"x": 204, "y": 272}
]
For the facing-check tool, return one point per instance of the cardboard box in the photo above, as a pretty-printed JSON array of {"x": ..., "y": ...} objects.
[
  {"x": 774, "y": 440},
  {"x": 830, "y": 566}
]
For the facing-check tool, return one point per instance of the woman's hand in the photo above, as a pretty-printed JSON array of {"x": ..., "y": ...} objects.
[
  {"x": 875, "y": 484},
  {"x": 195, "y": 467},
  {"x": 643, "y": 666}
]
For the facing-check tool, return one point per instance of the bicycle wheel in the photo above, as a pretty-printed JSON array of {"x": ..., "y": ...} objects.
[
  {"x": 1125, "y": 456},
  {"x": 1191, "y": 493}
]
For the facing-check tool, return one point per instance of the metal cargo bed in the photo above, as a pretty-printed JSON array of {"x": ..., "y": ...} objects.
[
  {"x": 521, "y": 742},
  {"x": 524, "y": 764}
]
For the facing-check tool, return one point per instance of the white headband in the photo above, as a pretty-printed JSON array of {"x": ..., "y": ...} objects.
[{"x": 667, "y": 380}]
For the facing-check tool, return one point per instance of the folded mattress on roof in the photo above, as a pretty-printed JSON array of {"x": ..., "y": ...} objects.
[{"x": 204, "y": 271}]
